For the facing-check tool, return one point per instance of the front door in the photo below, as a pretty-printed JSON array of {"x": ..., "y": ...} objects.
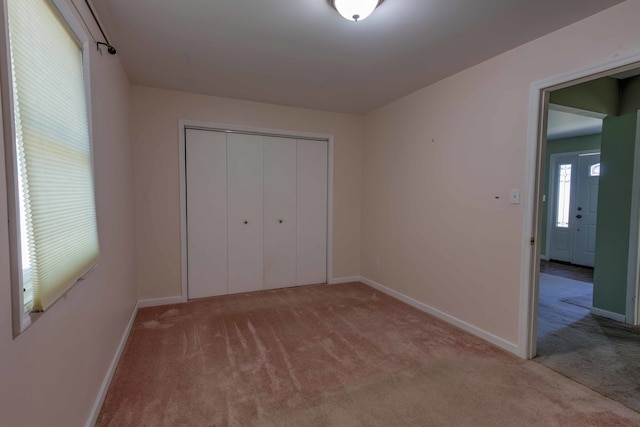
[{"x": 574, "y": 204}]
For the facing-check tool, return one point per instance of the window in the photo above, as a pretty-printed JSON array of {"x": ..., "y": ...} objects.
[
  {"x": 564, "y": 196},
  {"x": 594, "y": 170},
  {"x": 56, "y": 238}
]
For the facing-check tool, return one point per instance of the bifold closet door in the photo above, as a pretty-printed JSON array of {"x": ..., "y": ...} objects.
[
  {"x": 312, "y": 212},
  {"x": 279, "y": 212},
  {"x": 206, "y": 175},
  {"x": 245, "y": 212}
]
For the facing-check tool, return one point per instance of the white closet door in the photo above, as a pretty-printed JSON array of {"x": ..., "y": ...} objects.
[
  {"x": 206, "y": 174},
  {"x": 245, "y": 213},
  {"x": 312, "y": 212},
  {"x": 279, "y": 212}
]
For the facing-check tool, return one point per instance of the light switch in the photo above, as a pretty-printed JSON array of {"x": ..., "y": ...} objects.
[{"x": 515, "y": 196}]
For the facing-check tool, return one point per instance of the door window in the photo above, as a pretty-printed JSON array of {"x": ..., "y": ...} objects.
[{"x": 564, "y": 196}]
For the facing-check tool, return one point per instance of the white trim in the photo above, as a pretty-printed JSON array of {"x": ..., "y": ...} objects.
[
  {"x": 480, "y": 333},
  {"x": 20, "y": 320},
  {"x": 102, "y": 393},
  {"x": 576, "y": 111},
  {"x": 608, "y": 314},
  {"x": 185, "y": 124},
  {"x": 341, "y": 280},
  {"x": 156, "y": 302},
  {"x": 183, "y": 208},
  {"x": 530, "y": 253},
  {"x": 73, "y": 21}
]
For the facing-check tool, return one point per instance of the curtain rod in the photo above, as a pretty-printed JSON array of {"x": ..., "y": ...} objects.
[{"x": 110, "y": 48}]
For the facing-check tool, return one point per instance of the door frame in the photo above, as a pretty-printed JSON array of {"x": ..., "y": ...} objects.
[
  {"x": 551, "y": 200},
  {"x": 533, "y": 206},
  {"x": 184, "y": 124}
]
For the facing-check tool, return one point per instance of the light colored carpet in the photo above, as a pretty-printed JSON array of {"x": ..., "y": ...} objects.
[
  {"x": 343, "y": 355},
  {"x": 598, "y": 352}
]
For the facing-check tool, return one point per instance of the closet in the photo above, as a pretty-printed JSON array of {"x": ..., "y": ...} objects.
[{"x": 256, "y": 212}]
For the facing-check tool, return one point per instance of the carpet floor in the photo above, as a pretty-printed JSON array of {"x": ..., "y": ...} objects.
[
  {"x": 597, "y": 352},
  {"x": 343, "y": 355}
]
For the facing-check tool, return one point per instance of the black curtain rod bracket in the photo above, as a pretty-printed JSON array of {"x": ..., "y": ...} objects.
[{"x": 110, "y": 48}]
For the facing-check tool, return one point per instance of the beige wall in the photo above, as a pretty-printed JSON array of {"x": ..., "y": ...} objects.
[
  {"x": 50, "y": 375},
  {"x": 435, "y": 161},
  {"x": 155, "y": 115}
]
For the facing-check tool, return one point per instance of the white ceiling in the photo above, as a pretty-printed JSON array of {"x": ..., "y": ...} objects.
[
  {"x": 561, "y": 124},
  {"x": 303, "y": 53}
]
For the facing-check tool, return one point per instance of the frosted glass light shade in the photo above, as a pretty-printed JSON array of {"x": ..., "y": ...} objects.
[{"x": 355, "y": 10}]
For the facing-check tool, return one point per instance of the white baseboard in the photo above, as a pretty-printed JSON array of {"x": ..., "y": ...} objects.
[
  {"x": 544, "y": 257},
  {"x": 102, "y": 393},
  {"x": 340, "y": 280},
  {"x": 500, "y": 342},
  {"x": 155, "y": 302},
  {"x": 608, "y": 314}
]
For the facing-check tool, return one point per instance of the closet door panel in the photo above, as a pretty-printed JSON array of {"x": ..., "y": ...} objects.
[
  {"x": 312, "y": 212},
  {"x": 206, "y": 175},
  {"x": 245, "y": 212},
  {"x": 279, "y": 212}
]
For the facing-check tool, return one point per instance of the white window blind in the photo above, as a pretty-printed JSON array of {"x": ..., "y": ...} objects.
[{"x": 58, "y": 230}]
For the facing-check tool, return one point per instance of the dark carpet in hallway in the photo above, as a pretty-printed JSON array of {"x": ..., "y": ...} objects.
[{"x": 600, "y": 353}]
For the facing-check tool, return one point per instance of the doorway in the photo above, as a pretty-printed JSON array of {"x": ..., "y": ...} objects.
[{"x": 586, "y": 330}]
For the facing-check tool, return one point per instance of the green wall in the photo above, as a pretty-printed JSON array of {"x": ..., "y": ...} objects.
[
  {"x": 600, "y": 95},
  {"x": 614, "y": 211},
  {"x": 630, "y": 96},
  {"x": 557, "y": 146}
]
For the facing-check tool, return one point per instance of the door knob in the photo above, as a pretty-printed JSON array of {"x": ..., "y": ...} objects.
[
  {"x": 578, "y": 216},
  {"x": 579, "y": 208}
]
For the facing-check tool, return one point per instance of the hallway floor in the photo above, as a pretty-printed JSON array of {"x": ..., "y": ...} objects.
[{"x": 597, "y": 352}]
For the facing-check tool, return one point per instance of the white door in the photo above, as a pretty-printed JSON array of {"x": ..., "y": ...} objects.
[
  {"x": 206, "y": 176},
  {"x": 574, "y": 208},
  {"x": 245, "y": 212},
  {"x": 560, "y": 218},
  {"x": 312, "y": 212},
  {"x": 586, "y": 210},
  {"x": 256, "y": 212},
  {"x": 280, "y": 219}
]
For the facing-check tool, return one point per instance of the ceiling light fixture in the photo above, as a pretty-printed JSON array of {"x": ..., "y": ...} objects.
[{"x": 355, "y": 10}]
